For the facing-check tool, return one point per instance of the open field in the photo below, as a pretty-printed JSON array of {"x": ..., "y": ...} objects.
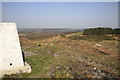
[{"x": 53, "y": 54}]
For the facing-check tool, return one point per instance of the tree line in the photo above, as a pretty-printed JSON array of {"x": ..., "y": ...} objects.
[{"x": 101, "y": 31}]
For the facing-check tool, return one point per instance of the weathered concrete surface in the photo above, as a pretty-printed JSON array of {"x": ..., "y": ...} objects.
[
  {"x": 10, "y": 51},
  {"x": 24, "y": 69}
]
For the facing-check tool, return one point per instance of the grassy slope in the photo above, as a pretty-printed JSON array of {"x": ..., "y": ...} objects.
[{"x": 60, "y": 57}]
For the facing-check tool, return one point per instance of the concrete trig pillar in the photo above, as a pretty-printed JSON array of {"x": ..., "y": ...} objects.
[{"x": 10, "y": 51}]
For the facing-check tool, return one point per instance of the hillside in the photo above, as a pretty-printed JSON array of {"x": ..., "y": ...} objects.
[{"x": 71, "y": 56}]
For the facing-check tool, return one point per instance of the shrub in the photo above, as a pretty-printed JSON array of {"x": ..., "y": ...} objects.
[
  {"x": 63, "y": 35},
  {"x": 39, "y": 45},
  {"x": 98, "y": 31},
  {"x": 116, "y": 31}
]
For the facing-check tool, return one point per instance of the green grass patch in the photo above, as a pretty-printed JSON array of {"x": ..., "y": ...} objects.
[{"x": 40, "y": 65}]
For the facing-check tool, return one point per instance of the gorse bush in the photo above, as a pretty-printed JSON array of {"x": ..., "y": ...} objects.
[
  {"x": 63, "y": 35},
  {"x": 101, "y": 31}
]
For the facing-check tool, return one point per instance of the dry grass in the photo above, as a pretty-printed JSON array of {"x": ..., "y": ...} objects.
[{"x": 60, "y": 57}]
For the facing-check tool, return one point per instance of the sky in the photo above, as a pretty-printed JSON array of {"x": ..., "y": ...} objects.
[
  {"x": 0, "y": 11},
  {"x": 77, "y": 15},
  {"x": 60, "y": 0}
]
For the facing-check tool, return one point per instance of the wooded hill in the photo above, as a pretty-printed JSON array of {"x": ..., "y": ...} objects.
[{"x": 101, "y": 31}]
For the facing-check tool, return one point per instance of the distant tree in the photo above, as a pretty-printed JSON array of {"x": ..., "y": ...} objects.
[
  {"x": 116, "y": 31},
  {"x": 98, "y": 31}
]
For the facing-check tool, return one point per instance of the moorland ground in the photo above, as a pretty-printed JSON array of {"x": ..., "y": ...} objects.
[{"x": 69, "y": 54}]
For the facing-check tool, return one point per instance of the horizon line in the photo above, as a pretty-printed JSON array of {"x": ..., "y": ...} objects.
[{"x": 59, "y": 0}]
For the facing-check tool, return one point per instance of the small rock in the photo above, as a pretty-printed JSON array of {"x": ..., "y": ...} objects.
[
  {"x": 98, "y": 45},
  {"x": 99, "y": 71},
  {"x": 67, "y": 74},
  {"x": 95, "y": 68},
  {"x": 67, "y": 67}
]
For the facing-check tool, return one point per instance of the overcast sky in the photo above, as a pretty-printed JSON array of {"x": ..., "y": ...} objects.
[{"x": 61, "y": 14}]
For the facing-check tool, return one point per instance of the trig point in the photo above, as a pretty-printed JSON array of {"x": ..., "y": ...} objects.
[
  {"x": 11, "y": 58},
  {"x": 10, "y": 50}
]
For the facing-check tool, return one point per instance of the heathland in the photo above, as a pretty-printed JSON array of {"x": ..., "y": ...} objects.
[{"x": 67, "y": 53}]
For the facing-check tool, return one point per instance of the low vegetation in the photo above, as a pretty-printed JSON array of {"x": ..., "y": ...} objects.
[
  {"x": 92, "y": 37},
  {"x": 72, "y": 56},
  {"x": 101, "y": 31}
]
